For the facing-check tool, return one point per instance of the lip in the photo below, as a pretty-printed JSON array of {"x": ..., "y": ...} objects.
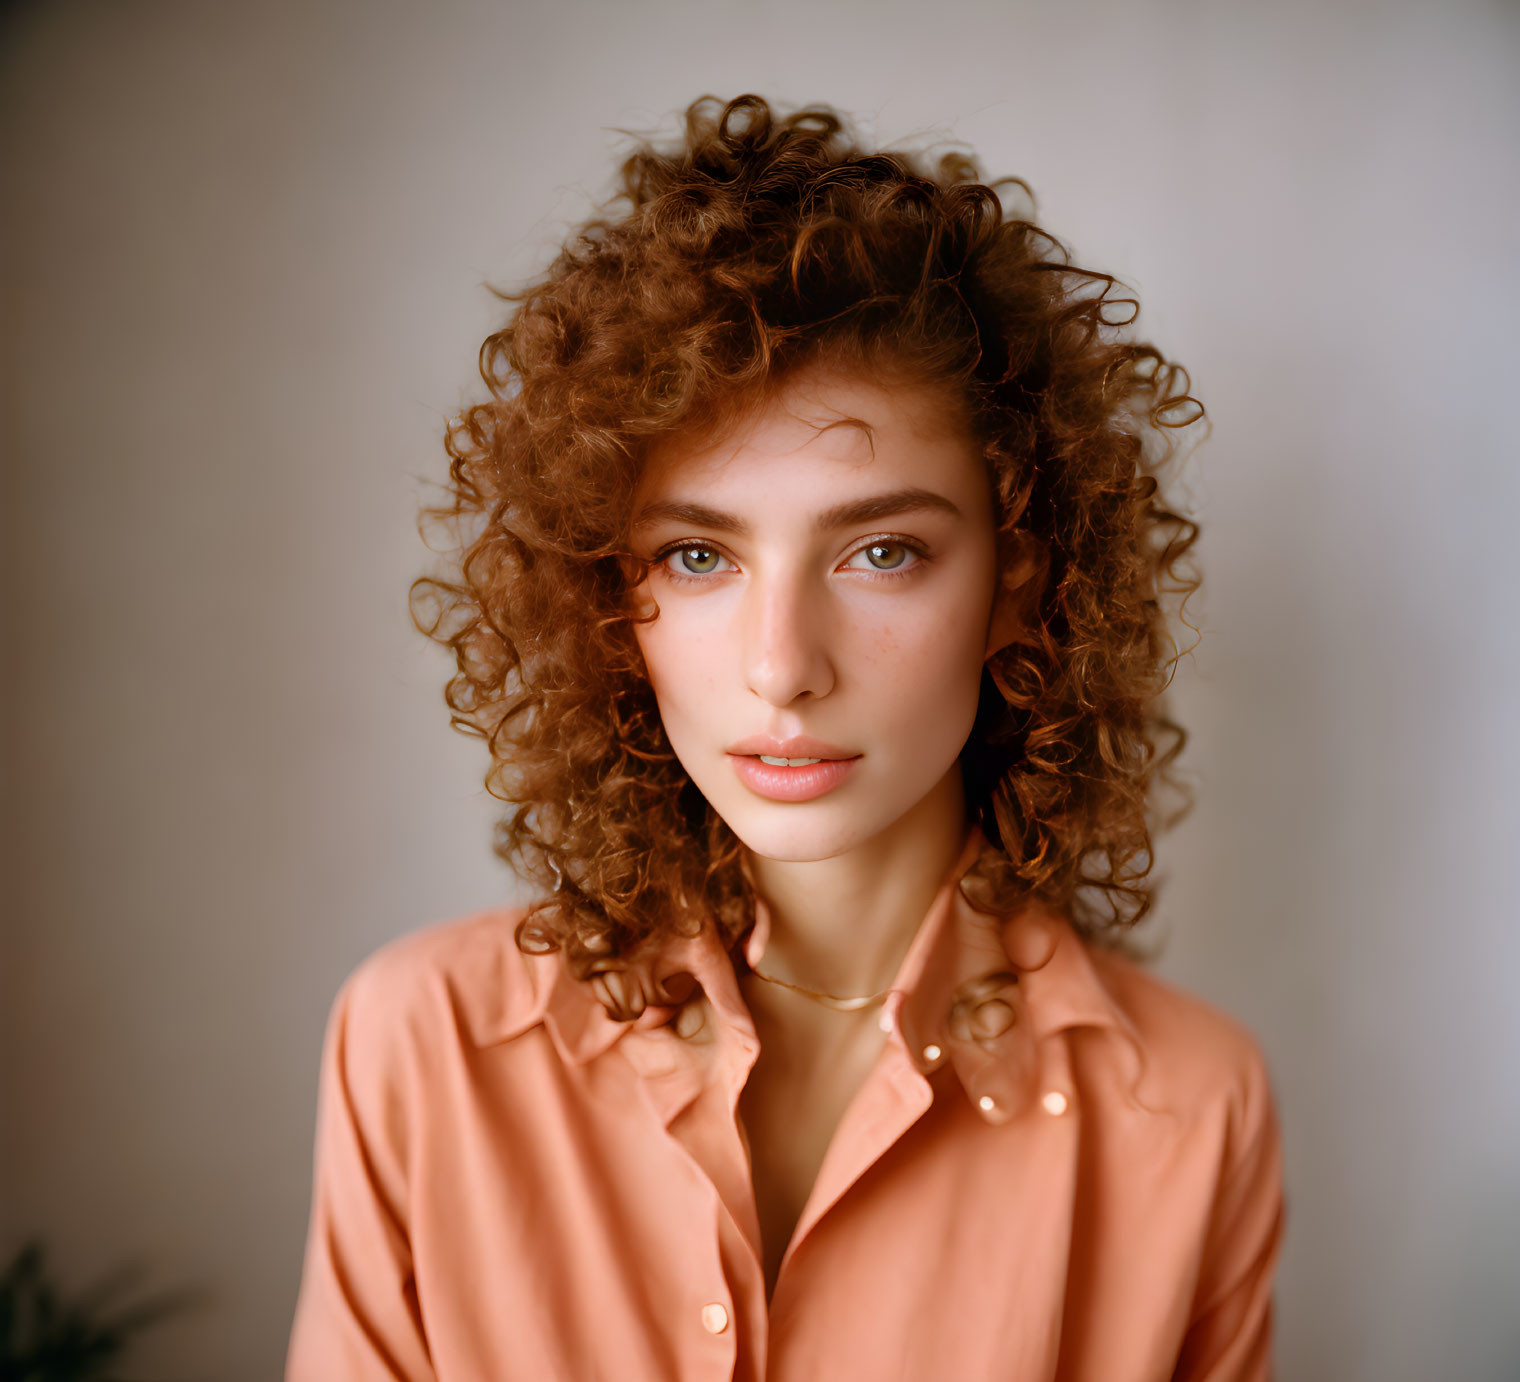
[
  {"x": 799, "y": 746},
  {"x": 792, "y": 784}
]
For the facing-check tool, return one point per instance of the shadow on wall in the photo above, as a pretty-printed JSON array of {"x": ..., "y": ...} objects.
[{"x": 44, "y": 1338}]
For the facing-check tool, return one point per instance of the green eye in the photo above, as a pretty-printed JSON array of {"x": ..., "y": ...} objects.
[
  {"x": 886, "y": 547},
  {"x": 702, "y": 552},
  {"x": 698, "y": 560}
]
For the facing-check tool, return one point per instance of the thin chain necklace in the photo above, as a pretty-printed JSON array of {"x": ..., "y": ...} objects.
[{"x": 829, "y": 1000}]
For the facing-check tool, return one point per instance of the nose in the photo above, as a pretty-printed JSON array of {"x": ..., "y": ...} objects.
[{"x": 787, "y": 639}]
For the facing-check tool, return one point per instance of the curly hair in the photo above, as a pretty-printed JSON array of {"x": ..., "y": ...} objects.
[{"x": 764, "y": 243}]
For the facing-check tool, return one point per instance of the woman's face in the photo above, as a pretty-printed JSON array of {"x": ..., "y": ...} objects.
[{"x": 835, "y": 585}]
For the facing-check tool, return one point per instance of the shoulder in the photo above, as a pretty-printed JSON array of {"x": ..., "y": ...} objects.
[
  {"x": 1196, "y": 1058},
  {"x": 461, "y": 980}
]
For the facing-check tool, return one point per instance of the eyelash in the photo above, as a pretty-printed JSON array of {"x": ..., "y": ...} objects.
[{"x": 689, "y": 578}]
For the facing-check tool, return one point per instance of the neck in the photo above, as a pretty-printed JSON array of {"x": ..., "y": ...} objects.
[{"x": 843, "y": 925}]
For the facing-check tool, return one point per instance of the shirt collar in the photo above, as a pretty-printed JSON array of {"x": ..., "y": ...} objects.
[{"x": 980, "y": 991}]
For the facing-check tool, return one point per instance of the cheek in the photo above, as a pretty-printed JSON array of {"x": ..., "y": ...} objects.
[
  {"x": 930, "y": 713},
  {"x": 683, "y": 682},
  {"x": 653, "y": 636},
  {"x": 926, "y": 656},
  {"x": 652, "y": 644}
]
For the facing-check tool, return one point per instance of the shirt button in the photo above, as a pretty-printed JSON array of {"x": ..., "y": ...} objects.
[
  {"x": 1054, "y": 1102},
  {"x": 714, "y": 1318}
]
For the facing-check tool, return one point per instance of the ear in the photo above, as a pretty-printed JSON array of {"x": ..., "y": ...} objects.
[{"x": 1015, "y": 606}]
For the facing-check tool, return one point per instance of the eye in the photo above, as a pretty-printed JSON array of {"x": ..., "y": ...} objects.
[
  {"x": 696, "y": 559},
  {"x": 886, "y": 557},
  {"x": 897, "y": 555}
]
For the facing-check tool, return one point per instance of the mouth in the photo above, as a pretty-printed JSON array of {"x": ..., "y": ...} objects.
[
  {"x": 800, "y": 750},
  {"x": 779, "y": 778}
]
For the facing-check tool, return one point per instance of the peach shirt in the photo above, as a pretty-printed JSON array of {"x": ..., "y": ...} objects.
[{"x": 510, "y": 1185}]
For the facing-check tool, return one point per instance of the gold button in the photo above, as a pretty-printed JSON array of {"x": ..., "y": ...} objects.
[
  {"x": 714, "y": 1318},
  {"x": 1055, "y": 1102},
  {"x": 986, "y": 1103},
  {"x": 931, "y": 1052}
]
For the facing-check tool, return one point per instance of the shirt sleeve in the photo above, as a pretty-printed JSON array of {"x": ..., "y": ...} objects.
[
  {"x": 357, "y": 1317},
  {"x": 1229, "y": 1336}
]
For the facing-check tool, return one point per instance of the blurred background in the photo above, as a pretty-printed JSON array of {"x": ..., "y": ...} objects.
[{"x": 245, "y": 258}]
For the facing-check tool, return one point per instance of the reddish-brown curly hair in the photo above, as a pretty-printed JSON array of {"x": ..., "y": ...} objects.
[{"x": 760, "y": 244}]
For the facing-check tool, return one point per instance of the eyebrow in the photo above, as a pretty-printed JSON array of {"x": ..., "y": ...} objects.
[{"x": 899, "y": 501}]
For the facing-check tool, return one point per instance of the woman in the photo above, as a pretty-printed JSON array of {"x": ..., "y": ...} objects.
[{"x": 810, "y": 601}]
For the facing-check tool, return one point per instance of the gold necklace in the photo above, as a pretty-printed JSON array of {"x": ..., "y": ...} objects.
[{"x": 829, "y": 1000}]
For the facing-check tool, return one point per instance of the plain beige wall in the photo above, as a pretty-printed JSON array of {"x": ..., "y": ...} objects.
[{"x": 244, "y": 257}]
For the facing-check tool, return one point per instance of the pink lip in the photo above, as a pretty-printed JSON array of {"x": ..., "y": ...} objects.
[
  {"x": 791, "y": 784},
  {"x": 799, "y": 746}
]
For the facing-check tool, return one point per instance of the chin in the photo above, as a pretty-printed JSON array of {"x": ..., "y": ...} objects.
[
  {"x": 795, "y": 844},
  {"x": 803, "y": 832}
]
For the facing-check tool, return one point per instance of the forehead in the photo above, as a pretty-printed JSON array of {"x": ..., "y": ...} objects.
[{"x": 819, "y": 416}]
